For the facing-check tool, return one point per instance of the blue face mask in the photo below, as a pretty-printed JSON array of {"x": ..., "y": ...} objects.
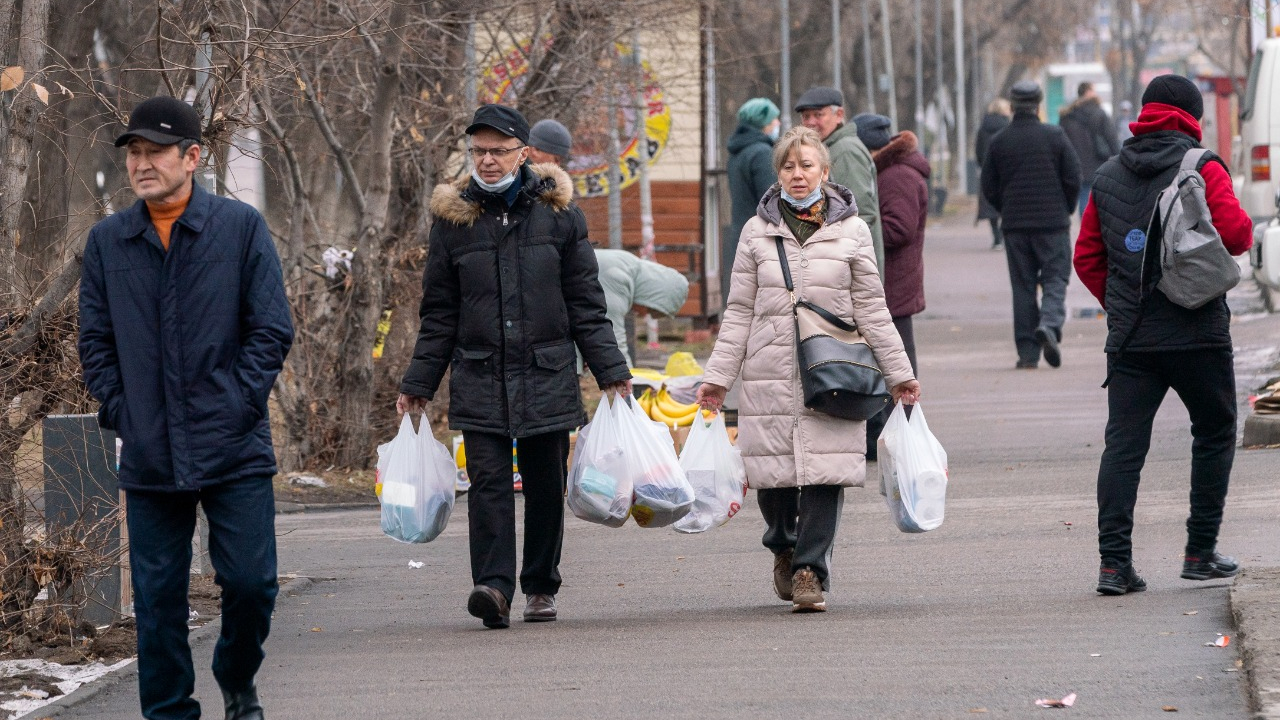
[
  {"x": 775, "y": 132},
  {"x": 499, "y": 186},
  {"x": 805, "y": 202}
]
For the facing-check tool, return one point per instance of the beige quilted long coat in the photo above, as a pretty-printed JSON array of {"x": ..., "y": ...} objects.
[{"x": 783, "y": 443}]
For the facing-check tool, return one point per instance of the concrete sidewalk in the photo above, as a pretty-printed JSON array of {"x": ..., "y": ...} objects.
[{"x": 980, "y": 617}]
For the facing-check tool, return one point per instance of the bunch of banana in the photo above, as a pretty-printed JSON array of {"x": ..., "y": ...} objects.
[{"x": 667, "y": 411}]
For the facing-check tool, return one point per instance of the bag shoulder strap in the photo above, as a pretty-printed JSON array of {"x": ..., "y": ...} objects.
[
  {"x": 1194, "y": 160},
  {"x": 819, "y": 310}
]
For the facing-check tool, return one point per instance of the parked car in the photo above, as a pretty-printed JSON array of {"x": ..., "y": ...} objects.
[
  {"x": 1258, "y": 146},
  {"x": 1265, "y": 258}
]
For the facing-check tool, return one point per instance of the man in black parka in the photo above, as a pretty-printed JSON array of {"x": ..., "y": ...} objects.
[
  {"x": 511, "y": 285},
  {"x": 1031, "y": 176}
]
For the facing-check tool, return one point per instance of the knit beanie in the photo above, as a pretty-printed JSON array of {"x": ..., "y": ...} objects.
[
  {"x": 757, "y": 112},
  {"x": 1177, "y": 91},
  {"x": 551, "y": 137}
]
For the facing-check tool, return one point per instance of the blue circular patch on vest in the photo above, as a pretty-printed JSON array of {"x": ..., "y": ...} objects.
[{"x": 1135, "y": 240}]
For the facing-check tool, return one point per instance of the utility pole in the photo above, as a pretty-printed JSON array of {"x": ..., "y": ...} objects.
[
  {"x": 888, "y": 66},
  {"x": 919, "y": 116},
  {"x": 785, "y": 32},
  {"x": 866, "y": 57},
  {"x": 836, "y": 80},
  {"x": 962, "y": 160}
]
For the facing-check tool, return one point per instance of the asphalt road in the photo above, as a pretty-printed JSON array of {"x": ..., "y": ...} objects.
[{"x": 977, "y": 619}]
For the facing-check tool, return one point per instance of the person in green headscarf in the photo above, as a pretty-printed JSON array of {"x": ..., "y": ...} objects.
[{"x": 750, "y": 173}]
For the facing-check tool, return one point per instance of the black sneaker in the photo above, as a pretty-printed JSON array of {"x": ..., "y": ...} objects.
[
  {"x": 1049, "y": 346},
  {"x": 1119, "y": 580},
  {"x": 1209, "y": 566}
]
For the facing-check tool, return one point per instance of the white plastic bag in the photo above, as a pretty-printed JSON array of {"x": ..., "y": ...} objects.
[
  {"x": 417, "y": 474},
  {"x": 913, "y": 471},
  {"x": 662, "y": 492},
  {"x": 599, "y": 479},
  {"x": 716, "y": 472}
]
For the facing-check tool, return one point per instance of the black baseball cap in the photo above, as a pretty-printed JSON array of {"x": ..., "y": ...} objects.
[
  {"x": 162, "y": 120},
  {"x": 505, "y": 120}
]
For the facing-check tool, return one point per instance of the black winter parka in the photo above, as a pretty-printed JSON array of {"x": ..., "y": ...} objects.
[
  {"x": 1031, "y": 176},
  {"x": 506, "y": 294}
]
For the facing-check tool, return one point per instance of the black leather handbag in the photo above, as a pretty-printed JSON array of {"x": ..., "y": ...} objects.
[{"x": 838, "y": 371}]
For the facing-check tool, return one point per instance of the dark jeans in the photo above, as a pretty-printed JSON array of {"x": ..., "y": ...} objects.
[
  {"x": 876, "y": 424},
  {"x": 1205, "y": 382},
  {"x": 242, "y": 548},
  {"x": 491, "y": 510},
  {"x": 1082, "y": 202},
  {"x": 805, "y": 520},
  {"x": 1043, "y": 260}
]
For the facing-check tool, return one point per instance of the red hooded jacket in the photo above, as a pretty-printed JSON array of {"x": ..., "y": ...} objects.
[{"x": 1231, "y": 221}]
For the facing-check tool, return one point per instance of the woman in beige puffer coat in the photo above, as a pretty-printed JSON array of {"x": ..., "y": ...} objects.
[{"x": 799, "y": 460}]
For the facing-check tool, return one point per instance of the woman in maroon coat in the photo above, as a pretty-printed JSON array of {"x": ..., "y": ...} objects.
[{"x": 902, "y": 178}]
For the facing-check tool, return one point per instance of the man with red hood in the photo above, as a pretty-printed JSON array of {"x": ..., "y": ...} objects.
[{"x": 1154, "y": 344}]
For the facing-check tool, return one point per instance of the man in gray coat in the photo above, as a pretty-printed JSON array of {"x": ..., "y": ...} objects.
[{"x": 822, "y": 110}]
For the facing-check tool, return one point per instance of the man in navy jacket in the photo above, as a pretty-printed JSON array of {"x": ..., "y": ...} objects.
[{"x": 184, "y": 325}]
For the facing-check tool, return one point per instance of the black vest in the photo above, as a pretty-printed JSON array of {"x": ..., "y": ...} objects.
[{"x": 1124, "y": 194}]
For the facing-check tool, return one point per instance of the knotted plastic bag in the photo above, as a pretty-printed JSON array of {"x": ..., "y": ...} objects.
[
  {"x": 913, "y": 471},
  {"x": 662, "y": 492},
  {"x": 716, "y": 472},
  {"x": 417, "y": 475},
  {"x": 599, "y": 480}
]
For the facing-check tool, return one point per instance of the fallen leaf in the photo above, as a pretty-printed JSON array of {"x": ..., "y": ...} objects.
[
  {"x": 977, "y": 710},
  {"x": 1239, "y": 663},
  {"x": 316, "y": 629},
  {"x": 1191, "y": 612},
  {"x": 11, "y": 77},
  {"x": 64, "y": 90},
  {"x": 41, "y": 92},
  {"x": 1169, "y": 708},
  {"x": 1065, "y": 702},
  {"x": 622, "y": 584},
  {"x": 679, "y": 557}
]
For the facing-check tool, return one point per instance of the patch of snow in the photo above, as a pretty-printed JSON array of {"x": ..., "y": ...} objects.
[{"x": 70, "y": 678}]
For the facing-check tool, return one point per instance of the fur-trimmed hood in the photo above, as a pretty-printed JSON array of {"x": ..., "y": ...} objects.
[
  {"x": 461, "y": 202},
  {"x": 904, "y": 148}
]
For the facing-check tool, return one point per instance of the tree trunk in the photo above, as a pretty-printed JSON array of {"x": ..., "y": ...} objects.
[{"x": 368, "y": 266}]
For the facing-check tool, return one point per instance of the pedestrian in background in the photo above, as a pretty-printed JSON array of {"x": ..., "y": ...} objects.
[
  {"x": 184, "y": 325},
  {"x": 799, "y": 460},
  {"x": 549, "y": 142},
  {"x": 750, "y": 173},
  {"x": 902, "y": 177},
  {"x": 1091, "y": 133},
  {"x": 1031, "y": 177},
  {"x": 822, "y": 110},
  {"x": 490, "y": 316},
  {"x": 996, "y": 119},
  {"x": 1154, "y": 344}
]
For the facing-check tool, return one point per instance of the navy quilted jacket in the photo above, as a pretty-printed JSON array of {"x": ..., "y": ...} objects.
[{"x": 181, "y": 348}]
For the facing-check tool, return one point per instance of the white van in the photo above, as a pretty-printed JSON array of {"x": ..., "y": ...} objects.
[{"x": 1256, "y": 163}]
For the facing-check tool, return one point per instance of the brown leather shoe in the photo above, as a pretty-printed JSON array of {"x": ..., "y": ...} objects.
[
  {"x": 490, "y": 605},
  {"x": 808, "y": 592},
  {"x": 539, "y": 607},
  {"x": 782, "y": 574}
]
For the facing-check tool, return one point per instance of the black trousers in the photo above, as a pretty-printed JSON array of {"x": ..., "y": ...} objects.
[
  {"x": 242, "y": 548},
  {"x": 1040, "y": 259},
  {"x": 875, "y": 425},
  {"x": 804, "y": 520},
  {"x": 491, "y": 510},
  {"x": 1205, "y": 382}
]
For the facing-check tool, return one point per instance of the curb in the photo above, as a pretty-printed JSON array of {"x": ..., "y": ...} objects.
[
  {"x": 1254, "y": 597},
  {"x": 86, "y": 692},
  {"x": 284, "y": 507}
]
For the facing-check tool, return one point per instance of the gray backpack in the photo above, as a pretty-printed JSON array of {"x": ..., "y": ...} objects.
[{"x": 1195, "y": 266}]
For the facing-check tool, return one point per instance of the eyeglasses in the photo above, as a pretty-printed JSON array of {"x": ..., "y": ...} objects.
[{"x": 497, "y": 153}]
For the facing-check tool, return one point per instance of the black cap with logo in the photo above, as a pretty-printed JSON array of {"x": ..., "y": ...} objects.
[
  {"x": 505, "y": 120},
  {"x": 162, "y": 120}
]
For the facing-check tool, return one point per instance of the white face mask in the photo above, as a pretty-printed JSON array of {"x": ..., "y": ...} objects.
[
  {"x": 500, "y": 186},
  {"x": 775, "y": 132},
  {"x": 808, "y": 200}
]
